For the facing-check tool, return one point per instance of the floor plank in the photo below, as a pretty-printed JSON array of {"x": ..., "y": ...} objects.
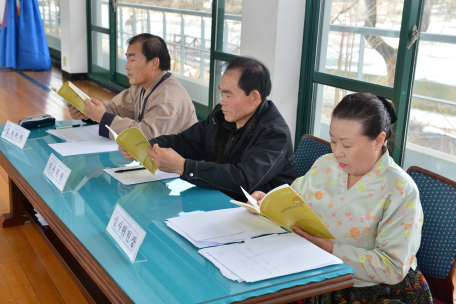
[
  {"x": 62, "y": 280},
  {"x": 18, "y": 283},
  {"x": 4, "y": 197},
  {"x": 5, "y": 292},
  {"x": 6, "y": 251},
  {"x": 38, "y": 244},
  {"x": 3, "y": 173},
  {"x": 35, "y": 271}
]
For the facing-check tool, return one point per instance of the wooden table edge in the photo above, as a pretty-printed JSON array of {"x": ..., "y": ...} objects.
[{"x": 300, "y": 292}]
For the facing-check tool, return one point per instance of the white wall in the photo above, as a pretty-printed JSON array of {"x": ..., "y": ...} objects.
[
  {"x": 272, "y": 31},
  {"x": 429, "y": 159},
  {"x": 73, "y": 46}
]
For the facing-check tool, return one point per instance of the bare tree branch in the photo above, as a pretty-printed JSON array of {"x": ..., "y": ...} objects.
[
  {"x": 388, "y": 53},
  {"x": 344, "y": 11}
]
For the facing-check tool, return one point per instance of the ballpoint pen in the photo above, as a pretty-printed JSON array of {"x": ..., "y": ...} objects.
[
  {"x": 64, "y": 127},
  {"x": 128, "y": 170}
]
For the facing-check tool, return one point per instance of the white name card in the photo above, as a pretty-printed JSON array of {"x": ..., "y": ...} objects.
[
  {"x": 126, "y": 232},
  {"x": 15, "y": 134},
  {"x": 57, "y": 172}
]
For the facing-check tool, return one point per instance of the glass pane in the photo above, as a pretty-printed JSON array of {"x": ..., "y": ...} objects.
[
  {"x": 431, "y": 141},
  {"x": 232, "y": 23},
  {"x": 359, "y": 39},
  {"x": 100, "y": 13},
  {"x": 50, "y": 14},
  {"x": 326, "y": 99},
  {"x": 218, "y": 72},
  {"x": 186, "y": 28},
  {"x": 100, "y": 50}
]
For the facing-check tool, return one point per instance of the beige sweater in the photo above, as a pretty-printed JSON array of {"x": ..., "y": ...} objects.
[{"x": 169, "y": 109}]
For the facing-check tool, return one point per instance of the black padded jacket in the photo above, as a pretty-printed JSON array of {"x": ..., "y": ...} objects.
[{"x": 258, "y": 156}]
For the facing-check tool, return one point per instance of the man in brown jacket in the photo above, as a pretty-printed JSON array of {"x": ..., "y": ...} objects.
[{"x": 156, "y": 103}]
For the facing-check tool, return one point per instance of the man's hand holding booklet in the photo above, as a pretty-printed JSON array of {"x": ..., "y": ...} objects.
[{"x": 285, "y": 207}]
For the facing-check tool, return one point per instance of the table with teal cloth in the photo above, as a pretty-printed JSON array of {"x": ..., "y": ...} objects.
[{"x": 172, "y": 271}]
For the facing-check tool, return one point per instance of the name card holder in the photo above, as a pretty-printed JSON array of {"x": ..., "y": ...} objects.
[
  {"x": 15, "y": 134},
  {"x": 57, "y": 172},
  {"x": 127, "y": 234}
]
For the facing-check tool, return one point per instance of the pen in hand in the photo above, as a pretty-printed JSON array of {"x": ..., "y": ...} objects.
[
  {"x": 64, "y": 127},
  {"x": 128, "y": 170}
]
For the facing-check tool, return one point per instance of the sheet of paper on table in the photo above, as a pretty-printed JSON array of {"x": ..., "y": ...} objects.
[
  {"x": 138, "y": 176},
  {"x": 224, "y": 226},
  {"x": 82, "y": 140},
  {"x": 76, "y": 134},
  {"x": 268, "y": 257},
  {"x": 85, "y": 147}
]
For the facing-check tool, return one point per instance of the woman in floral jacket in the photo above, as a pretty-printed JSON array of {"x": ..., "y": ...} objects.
[{"x": 369, "y": 204}]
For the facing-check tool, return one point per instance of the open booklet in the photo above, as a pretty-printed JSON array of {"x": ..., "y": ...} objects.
[
  {"x": 285, "y": 207},
  {"x": 134, "y": 141},
  {"x": 73, "y": 95}
]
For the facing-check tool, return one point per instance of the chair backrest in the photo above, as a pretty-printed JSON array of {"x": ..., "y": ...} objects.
[
  {"x": 437, "y": 253},
  {"x": 309, "y": 149}
]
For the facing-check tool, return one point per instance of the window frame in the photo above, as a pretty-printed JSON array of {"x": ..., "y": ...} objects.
[{"x": 400, "y": 93}]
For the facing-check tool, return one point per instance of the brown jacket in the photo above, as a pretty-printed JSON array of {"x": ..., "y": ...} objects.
[{"x": 168, "y": 110}]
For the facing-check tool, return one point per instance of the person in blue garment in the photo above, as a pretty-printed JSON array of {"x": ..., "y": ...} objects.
[{"x": 22, "y": 38}]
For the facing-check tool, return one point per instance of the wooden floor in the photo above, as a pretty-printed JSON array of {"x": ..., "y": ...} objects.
[{"x": 29, "y": 270}]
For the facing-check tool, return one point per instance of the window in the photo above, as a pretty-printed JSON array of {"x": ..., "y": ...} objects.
[
  {"x": 357, "y": 46},
  {"x": 431, "y": 139},
  {"x": 186, "y": 26},
  {"x": 50, "y": 14}
]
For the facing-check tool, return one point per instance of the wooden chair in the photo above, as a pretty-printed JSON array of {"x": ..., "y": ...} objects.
[
  {"x": 310, "y": 148},
  {"x": 436, "y": 256}
]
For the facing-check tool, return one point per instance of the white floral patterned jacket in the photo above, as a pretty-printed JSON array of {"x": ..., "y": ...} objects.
[{"x": 377, "y": 222}]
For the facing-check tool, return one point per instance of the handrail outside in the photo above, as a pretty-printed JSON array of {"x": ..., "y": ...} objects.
[{"x": 202, "y": 47}]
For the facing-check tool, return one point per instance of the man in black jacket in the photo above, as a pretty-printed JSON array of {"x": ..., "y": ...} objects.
[{"x": 244, "y": 142}]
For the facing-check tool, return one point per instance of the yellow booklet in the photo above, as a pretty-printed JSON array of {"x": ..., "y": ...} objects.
[
  {"x": 285, "y": 207},
  {"x": 134, "y": 141},
  {"x": 73, "y": 95}
]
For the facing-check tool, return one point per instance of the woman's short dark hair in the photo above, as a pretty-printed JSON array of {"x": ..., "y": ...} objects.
[
  {"x": 254, "y": 75},
  {"x": 153, "y": 46},
  {"x": 368, "y": 110}
]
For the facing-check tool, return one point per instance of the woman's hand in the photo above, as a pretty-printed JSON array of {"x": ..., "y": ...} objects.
[{"x": 324, "y": 244}]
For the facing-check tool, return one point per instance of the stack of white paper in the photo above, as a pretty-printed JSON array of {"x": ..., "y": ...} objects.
[
  {"x": 268, "y": 257},
  {"x": 82, "y": 140},
  {"x": 76, "y": 134},
  {"x": 224, "y": 226},
  {"x": 40, "y": 219}
]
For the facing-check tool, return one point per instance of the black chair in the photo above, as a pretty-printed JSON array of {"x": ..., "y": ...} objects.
[
  {"x": 437, "y": 253},
  {"x": 310, "y": 148}
]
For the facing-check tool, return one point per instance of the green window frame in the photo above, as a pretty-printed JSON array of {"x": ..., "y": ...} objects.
[{"x": 400, "y": 93}]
